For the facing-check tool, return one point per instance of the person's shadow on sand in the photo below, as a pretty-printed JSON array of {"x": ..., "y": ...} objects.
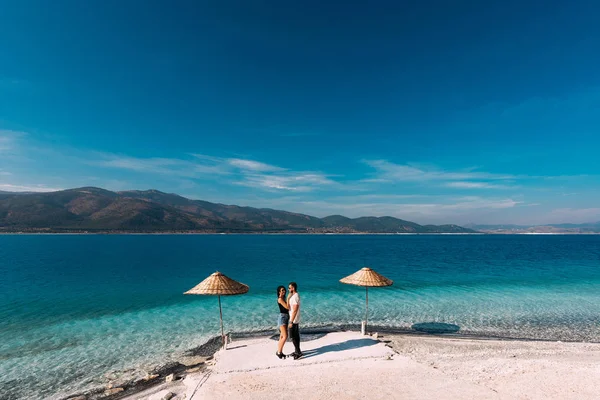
[{"x": 347, "y": 345}]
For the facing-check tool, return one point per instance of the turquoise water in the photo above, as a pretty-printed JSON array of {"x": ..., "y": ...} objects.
[{"x": 73, "y": 308}]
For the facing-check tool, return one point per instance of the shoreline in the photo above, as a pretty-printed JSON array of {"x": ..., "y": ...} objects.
[
  {"x": 20, "y": 233},
  {"x": 242, "y": 233},
  {"x": 196, "y": 360}
]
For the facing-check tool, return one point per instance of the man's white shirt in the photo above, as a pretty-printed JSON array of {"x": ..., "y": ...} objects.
[{"x": 295, "y": 300}]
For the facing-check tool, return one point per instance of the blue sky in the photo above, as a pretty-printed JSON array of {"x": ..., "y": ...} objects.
[{"x": 432, "y": 111}]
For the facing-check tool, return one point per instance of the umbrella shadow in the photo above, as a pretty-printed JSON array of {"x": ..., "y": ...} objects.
[
  {"x": 347, "y": 345},
  {"x": 435, "y": 327}
]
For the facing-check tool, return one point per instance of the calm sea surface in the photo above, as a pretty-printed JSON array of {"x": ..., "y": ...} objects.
[{"x": 73, "y": 308}]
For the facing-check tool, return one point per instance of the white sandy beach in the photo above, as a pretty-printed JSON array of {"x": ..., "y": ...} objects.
[{"x": 346, "y": 365}]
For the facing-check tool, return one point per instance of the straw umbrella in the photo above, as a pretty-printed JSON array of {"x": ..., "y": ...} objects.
[
  {"x": 368, "y": 278},
  {"x": 220, "y": 285}
]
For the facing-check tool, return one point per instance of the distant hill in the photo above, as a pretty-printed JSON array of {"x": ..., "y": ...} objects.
[
  {"x": 92, "y": 209},
  {"x": 593, "y": 227}
]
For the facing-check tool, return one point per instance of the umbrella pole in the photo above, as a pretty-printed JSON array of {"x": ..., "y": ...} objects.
[
  {"x": 221, "y": 315},
  {"x": 367, "y": 309}
]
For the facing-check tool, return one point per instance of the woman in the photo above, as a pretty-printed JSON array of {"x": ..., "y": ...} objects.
[{"x": 282, "y": 320}]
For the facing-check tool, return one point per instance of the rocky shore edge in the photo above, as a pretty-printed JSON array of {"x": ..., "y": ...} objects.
[{"x": 120, "y": 384}]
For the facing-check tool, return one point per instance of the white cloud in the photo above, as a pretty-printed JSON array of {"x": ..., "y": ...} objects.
[
  {"x": 374, "y": 180},
  {"x": 249, "y": 173},
  {"x": 477, "y": 185},
  {"x": 199, "y": 165},
  {"x": 408, "y": 172},
  {"x": 207, "y": 159},
  {"x": 167, "y": 166},
  {"x": 27, "y": 188},
  {"x": 380, "y": 197},
  {"x": 260, "y": 175},
  {"x": 299, "y": 182},
  {"x": 141, "y": 164},
  {"x": 251, "y": 165}
]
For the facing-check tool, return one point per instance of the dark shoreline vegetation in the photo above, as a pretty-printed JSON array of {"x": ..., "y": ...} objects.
[
  {"x": 195, "y": 360},
  {"x": 95, "y": 210}
]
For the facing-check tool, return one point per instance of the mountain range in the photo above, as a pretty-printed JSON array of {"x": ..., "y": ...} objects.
[{"x": 90, "y": 209}]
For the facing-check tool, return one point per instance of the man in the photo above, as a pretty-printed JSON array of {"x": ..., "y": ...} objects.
[{"x": 294, "y": 304}]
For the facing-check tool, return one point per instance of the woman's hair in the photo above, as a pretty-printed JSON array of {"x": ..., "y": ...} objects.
[{"x": 279, "y": 288}]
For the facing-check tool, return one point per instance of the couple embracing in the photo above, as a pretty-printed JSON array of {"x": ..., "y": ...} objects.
[{"x": 289, "y": 304}]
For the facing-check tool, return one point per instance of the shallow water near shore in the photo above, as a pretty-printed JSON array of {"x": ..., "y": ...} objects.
[{"x": 76, "y": 307}]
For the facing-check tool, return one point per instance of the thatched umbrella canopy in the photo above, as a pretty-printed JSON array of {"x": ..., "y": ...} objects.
[
  {"x": 219, "y": 285},
  {"x": 368, "y": 278}
]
